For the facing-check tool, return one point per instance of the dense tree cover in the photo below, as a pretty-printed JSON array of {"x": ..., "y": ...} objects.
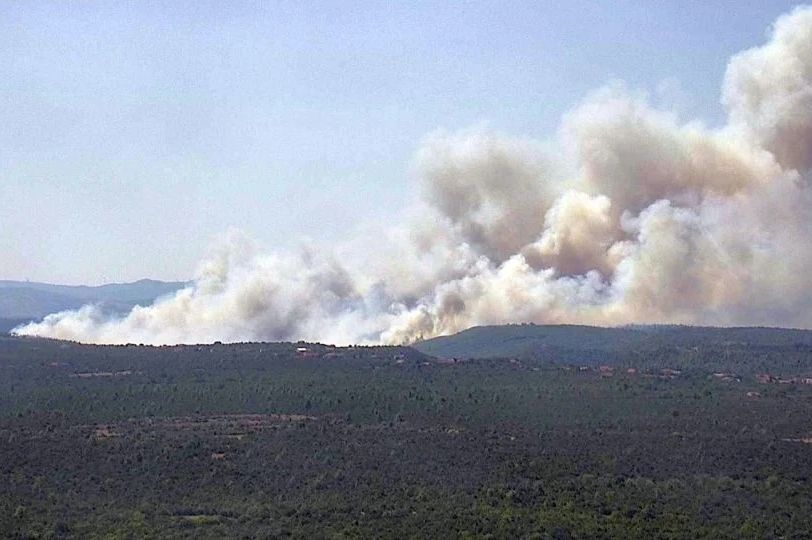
[
  {"x": 590, "y": 344},
  {"x": 278, "y": 440}
]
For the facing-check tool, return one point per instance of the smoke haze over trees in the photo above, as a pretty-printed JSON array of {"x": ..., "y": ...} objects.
[{"x": 630, "y": 215}]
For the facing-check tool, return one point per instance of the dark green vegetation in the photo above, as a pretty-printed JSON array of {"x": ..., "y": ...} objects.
[
  {"x": 591, "y": 344},
  {"x": 262, "y": 440}
]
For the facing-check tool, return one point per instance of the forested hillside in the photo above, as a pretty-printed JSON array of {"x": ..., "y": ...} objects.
[
  {"x": 302, "y": 440},
  {"x": 590, "y": 344}
]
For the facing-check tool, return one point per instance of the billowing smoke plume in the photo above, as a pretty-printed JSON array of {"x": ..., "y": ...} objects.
[{"x": 634, "y": 216}]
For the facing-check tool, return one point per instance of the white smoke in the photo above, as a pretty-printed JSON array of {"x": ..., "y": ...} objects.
[{"x": 632, "y": 216}]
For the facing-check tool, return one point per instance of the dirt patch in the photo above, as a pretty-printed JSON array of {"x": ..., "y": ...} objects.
[
  {"x": 232, "y": 426},
  {"x": 94, "y": 374},
  {"x": 804, "y": 440},
  {"x": 105, "y": 432},
  {"x": 229, "y": 421}
]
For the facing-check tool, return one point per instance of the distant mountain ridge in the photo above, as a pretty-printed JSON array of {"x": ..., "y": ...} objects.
[
  {"x": 591, "y": 344},
  {"x": 29, "y": 300}
]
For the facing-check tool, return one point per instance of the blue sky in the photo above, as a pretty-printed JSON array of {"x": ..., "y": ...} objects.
[{"x": 133, "y": 133}]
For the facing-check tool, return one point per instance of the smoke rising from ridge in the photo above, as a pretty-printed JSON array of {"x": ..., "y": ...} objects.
[{"x": 634, "y": 216}]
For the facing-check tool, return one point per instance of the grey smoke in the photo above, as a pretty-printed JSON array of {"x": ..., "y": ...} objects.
[{"x": 630, "y": 215}]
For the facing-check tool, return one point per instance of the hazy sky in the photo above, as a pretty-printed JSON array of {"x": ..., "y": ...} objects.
[{"x": 131, "y": 134}]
